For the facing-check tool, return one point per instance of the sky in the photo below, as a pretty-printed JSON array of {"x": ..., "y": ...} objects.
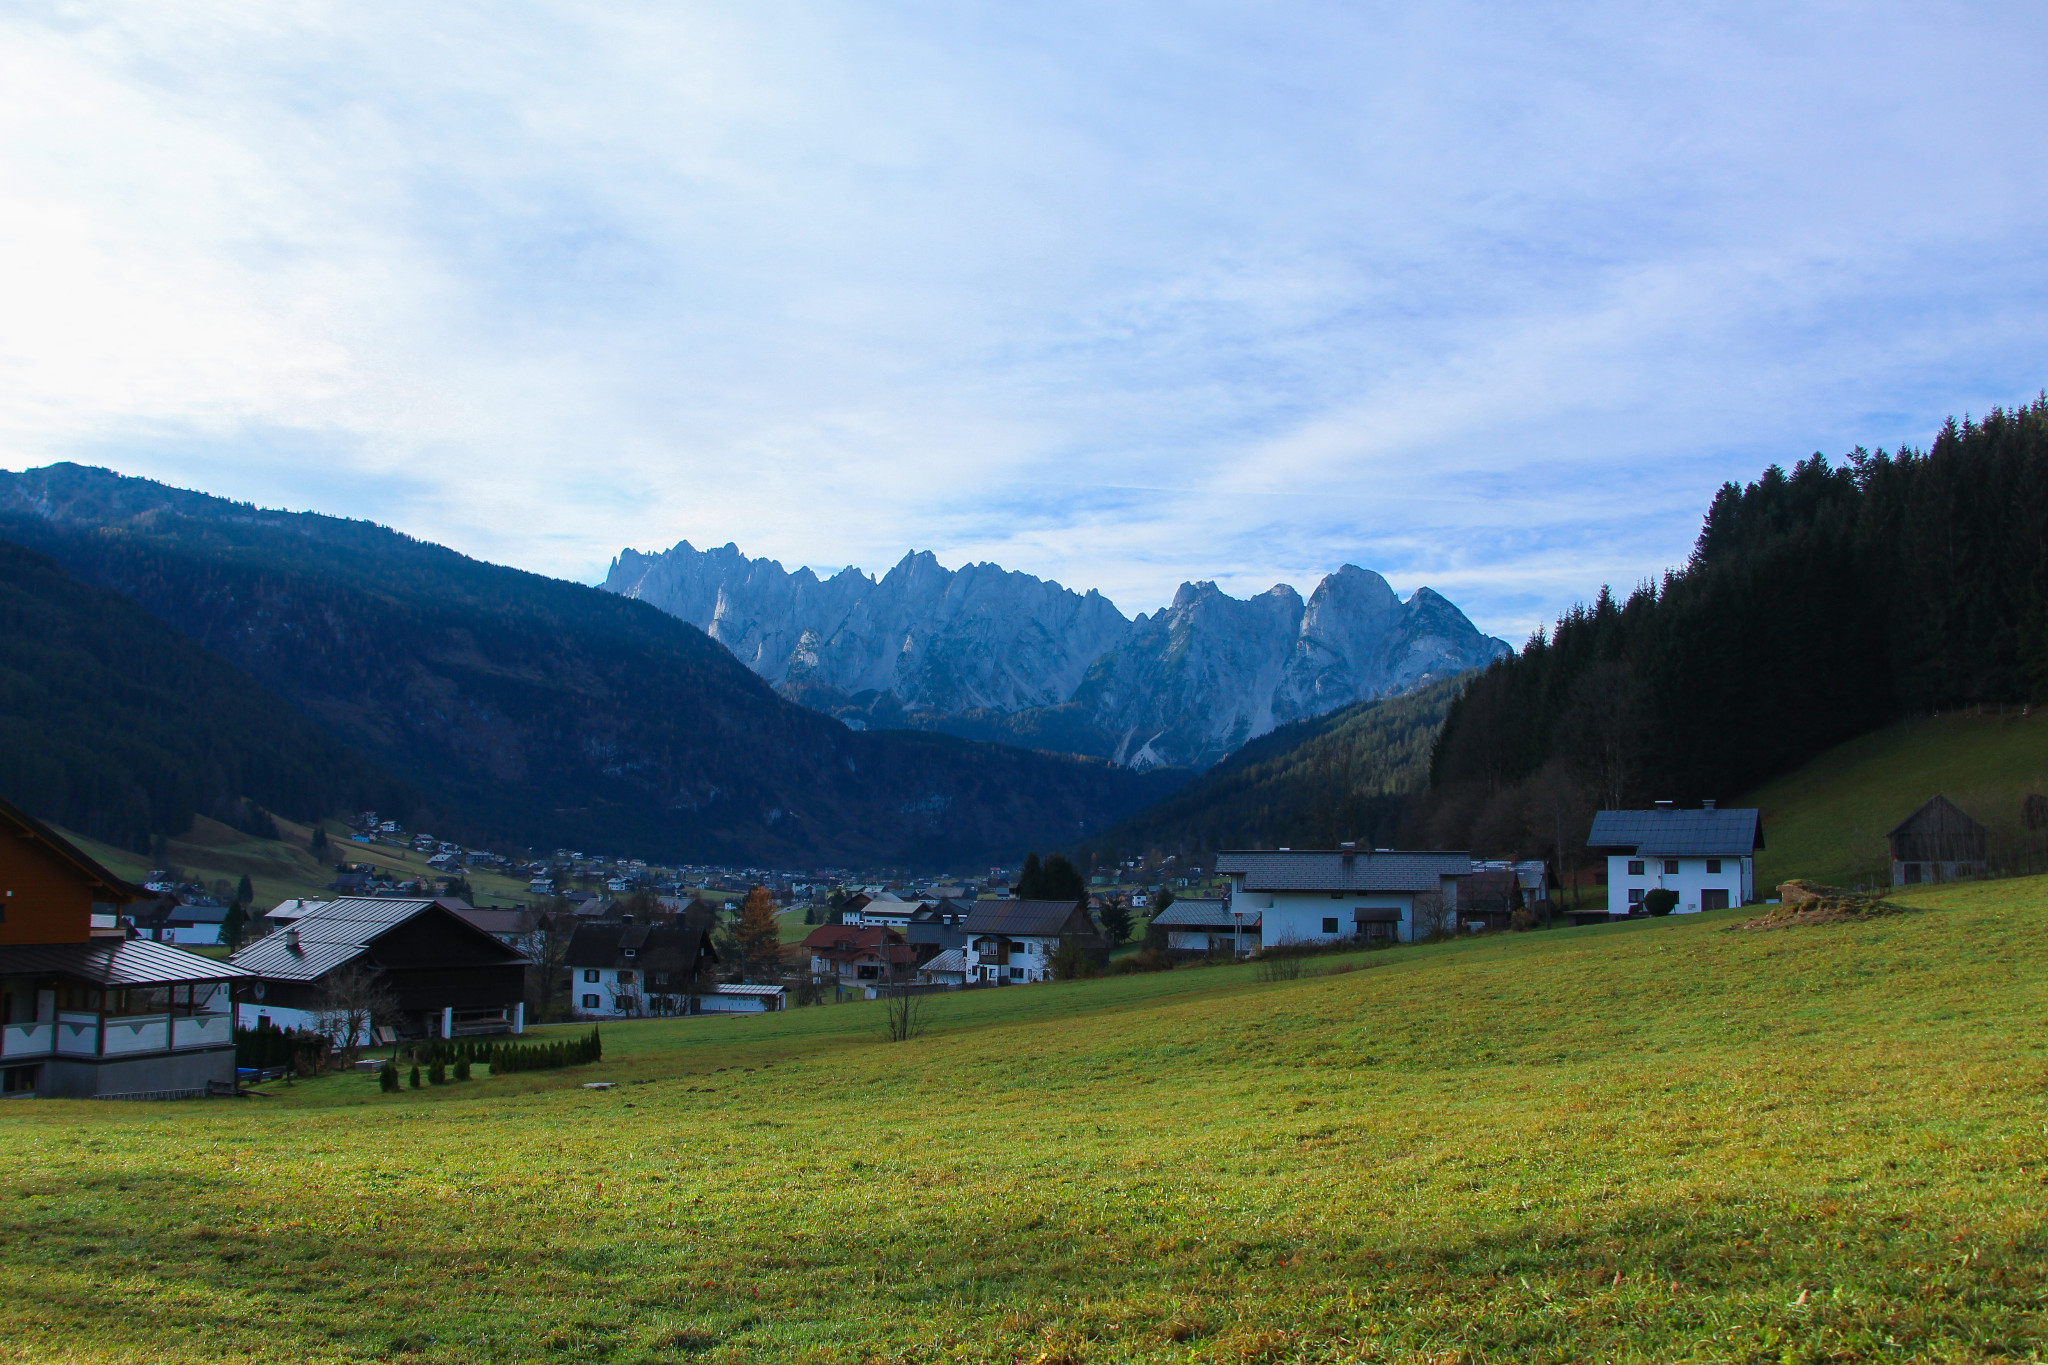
[{"x": 1486, "y": 297}]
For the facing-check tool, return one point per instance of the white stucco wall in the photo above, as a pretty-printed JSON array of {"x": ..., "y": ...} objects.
[{"x": 1737, "y": 877}]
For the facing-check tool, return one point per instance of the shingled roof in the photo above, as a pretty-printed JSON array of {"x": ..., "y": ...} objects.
[
  {"x": 1669, "y": 832},
  {"x": 1024, "y": 919},
  {"x": 1339, "y": 869}
]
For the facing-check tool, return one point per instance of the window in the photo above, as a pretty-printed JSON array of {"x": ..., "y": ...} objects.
[
  {"x": 1016, "y": 973},
  {"x": 590, "y": 1002},
  {"x": 1329, "y": 924},
  {"x": 1635, "y": 867},
  {"x": 1714, "y": 866},
  {"x": 1671, "y": 866},
  {"x": 625, "y": 978},
  {"x": 590, "y": 979},
  {"x": 626, "y": 952},
  {"x": 1635, "y": 895}
]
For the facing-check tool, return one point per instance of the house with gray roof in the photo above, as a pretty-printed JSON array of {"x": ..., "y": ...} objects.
[
  {"x": 1014, "y": 942},
  {"x": 1316, "y": 896},
  {"x": 1195, "y": 925},
  {"x": 1707, "y": 856},
  {"x": 445, "y": 975}
]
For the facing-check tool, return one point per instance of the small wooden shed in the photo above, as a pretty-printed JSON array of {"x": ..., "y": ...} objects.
[{"x": 1938, "y": 843}]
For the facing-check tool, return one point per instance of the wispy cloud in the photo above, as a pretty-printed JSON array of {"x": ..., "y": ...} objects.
[{"x": 1489, "y": 297}]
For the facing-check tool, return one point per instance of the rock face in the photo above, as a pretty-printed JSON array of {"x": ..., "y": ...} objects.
[{"x": 985, "y": 652}]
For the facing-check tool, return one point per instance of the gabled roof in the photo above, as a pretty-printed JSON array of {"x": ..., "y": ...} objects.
[
  {"x": 1674, "y": 833},
  {"x": 1204, "y": 914},
  {"x": 828, "y": 939},
  {"x": 501, "y": 919},
  {"x": 1342, "y": 869},
  {"x": 608, "y": 943},
  {"x": 339, "y": 931},
  {"x": 105, "y": 885},
  {"x": 952, "y": 960},
  {"x": 1027, "y": 919},
  {"x": 116, "y": 962}
]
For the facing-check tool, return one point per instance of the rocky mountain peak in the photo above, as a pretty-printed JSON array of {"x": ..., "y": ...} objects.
[{"x": 995, "y": 653}]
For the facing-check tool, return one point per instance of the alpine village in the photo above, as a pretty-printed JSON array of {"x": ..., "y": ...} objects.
[{"x": 1591, "y": 907}]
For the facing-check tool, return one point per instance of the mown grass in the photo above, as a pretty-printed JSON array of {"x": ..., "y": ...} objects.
[
  {"x": 1666, "y": 1140},
  {"x": 1827, "y": 820}
]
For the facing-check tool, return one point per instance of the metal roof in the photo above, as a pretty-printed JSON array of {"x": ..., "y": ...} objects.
[
  {"x": 952, "y": 960},
  {"x": 1029, "y": 919},
  {"x": 336, "y": 933},
  {"x": 1341, "y": 869},
  {"x": 1674, "y": 833},
  {"x": 115, "y": 962},
  {"x": 1205, "y": 914}
]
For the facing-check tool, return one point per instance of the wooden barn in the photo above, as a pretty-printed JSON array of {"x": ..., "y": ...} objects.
[{"x": 1938, "y": 843}]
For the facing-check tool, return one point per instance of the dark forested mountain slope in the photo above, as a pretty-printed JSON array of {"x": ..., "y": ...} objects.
[
  {"x": 1817, "y": 605},
  {"x": 114, "y": 724},
  {"x": 1350, "y": 775},
  {"x": 540, "y": 711}
]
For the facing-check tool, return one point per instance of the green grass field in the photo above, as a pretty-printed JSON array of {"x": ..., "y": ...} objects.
[
  {"x": 1670, "y": 1140},
  {"x": 1827, "y": 820}
]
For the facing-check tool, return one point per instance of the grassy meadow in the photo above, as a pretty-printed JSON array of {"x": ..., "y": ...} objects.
[
  {"x": 1670, "y": 1140},
  {"x": 1828, "y": 819}
]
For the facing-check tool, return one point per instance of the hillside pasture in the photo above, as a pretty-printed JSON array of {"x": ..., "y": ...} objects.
[
  {"x": 1827, "y": 820},
  {"x": 1666, "y": 1140}
]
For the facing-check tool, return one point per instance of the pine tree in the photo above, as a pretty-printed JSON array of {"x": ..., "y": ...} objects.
[
  {"x": 387, "y": 1077},
  {"x": 245, "y": 894},
  {"x": 233, "y": 925},
  {"x": 318, "y": 846},
  {"x": 462, "y": 1068},
  {"x": 757, "y": 936}
]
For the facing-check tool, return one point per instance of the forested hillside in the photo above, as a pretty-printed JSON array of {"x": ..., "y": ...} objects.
[
  {"x": 536, "y": 711},
  {"x": 1354, "y": 774},
  {"x": 114, "y": 724},
  {"x": 1817, "y": 605}
]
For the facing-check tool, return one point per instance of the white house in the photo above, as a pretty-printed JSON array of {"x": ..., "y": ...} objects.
[
  {"x": 1208, "y": 926},
  {"x": 1014, "y": 942},
  {"x": 1315, "y": 896},
  {"x": 1707, "y": 856},
  {"x": 631, "y": 971}
]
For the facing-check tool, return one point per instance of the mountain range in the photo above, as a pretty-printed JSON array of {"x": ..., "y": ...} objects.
[
  {"x": 990, "y": 653},
  {"x": 302, "y": 661}
]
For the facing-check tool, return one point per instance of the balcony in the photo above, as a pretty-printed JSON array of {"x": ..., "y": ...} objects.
[{"x": 76, "y": 1033}]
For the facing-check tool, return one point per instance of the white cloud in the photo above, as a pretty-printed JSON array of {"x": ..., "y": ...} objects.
[{"x": 1488, "y": 297}]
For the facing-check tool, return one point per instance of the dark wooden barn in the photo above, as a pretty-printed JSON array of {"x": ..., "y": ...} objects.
[{"x": 1938, "y": 843}]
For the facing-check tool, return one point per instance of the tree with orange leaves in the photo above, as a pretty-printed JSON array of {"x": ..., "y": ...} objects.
[{"x": 757, "y": 938}]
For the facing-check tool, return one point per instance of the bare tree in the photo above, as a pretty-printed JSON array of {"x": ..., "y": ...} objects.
[
  {"x": 354, "y": 1001},
  {"x": 1433, "y": 916},
  {"x": 903, "y": 1012},
  {"x": 548, "y": 976}
]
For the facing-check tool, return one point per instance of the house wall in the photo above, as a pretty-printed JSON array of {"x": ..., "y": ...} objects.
[
  {"x": 70, "y": 1078},
  {"x": 43, "y": 899},
  {"x": 1028, "y": 960},
  {"x": 283, "y": 1016},
  {"x": 1304, "y": 916},
  {"x": 1737, "y": 877},
  {"x": 607, "y": 989}
]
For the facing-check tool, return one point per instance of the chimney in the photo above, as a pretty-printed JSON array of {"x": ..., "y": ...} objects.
[
  {"x": 291, "y": 938},
  {"x": 1707, "y": 804},
  {"x": 1349, "y": 846},
  {"x": 1667, "y": 805}
]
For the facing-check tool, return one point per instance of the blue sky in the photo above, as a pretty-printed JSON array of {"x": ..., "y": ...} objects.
[{"x": 1485, "y": 297}]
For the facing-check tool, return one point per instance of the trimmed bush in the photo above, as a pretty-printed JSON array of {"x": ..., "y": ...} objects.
[
  {"x": 387, "y": 1077},
  {"x": 1661, "y": 901},
  {"x": 415, "y": 1076}
]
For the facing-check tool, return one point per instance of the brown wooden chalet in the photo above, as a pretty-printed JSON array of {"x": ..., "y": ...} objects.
[
  {"x": 1938, "y": 843},
  {"x": 446, "y": 976},
  {"x": 851, "y": 953},
  {"x": 97, "y": 1016}
]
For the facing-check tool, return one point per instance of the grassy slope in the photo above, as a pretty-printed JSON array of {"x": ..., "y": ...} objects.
[
  {"x": 1828, "y": 819},
  {"x": 1649, "y": 1141},
  {"x": 279, "y": 870}
]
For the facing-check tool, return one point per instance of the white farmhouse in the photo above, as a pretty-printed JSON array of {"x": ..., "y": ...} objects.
[
  {"x": 1014, "y": 942},
  {"x": 1318, "y": 896},
  {"x": 1707, "y": 856}
]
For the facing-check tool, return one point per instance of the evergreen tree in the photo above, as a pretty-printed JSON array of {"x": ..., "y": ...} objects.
[
  {"x": 1116, "y": 923},
  {"x": 415, "y": 1075},
  {"x": 234, "y": 925},
  {"x": 318, "y": 845},
  {"x": 245, "y": 894},
  {"x": 387, "y": 1077},
  {"x": 1031, "y": 880}
]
